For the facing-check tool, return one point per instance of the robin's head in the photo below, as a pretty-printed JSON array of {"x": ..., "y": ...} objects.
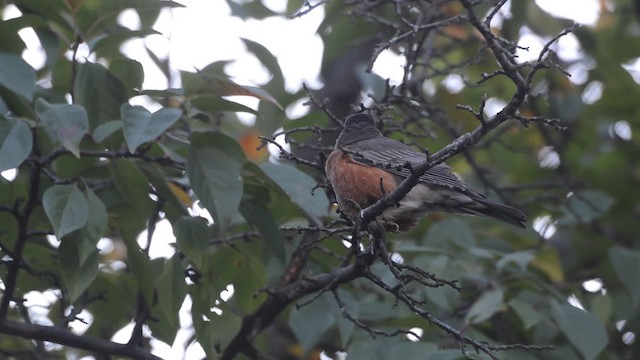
[{"x": 357, "y": 127}]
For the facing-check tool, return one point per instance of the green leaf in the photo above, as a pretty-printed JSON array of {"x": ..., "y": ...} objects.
[
  {"x": 103, "y": 131},
  {"x": 527, "y": 314},
  {"x": 100, "y": 92},
  {"x": 489, "y": 303},
  {"x": 66, "y": 124},
  {"x": 314, "y": 313},
  {"x": 77, "y": 274},
  {"x": 16, "y": 75},
  {"x": 120, "y": 287},
  {"x": 97, "y": 224},
  {"x": 87, "y": 237},
  {"x": 217, "y": 104},
  {"x": 374, "y": 83},
  {"x": 248, "y": 276},
  {"x": 450, "y": 230},
  {"x": 298, "y": 186},
  {"x": 162, "y": 93},
  {"x": 277, "y": 201},
  {"x": 519, "y": 10},
  {"x": 192, "y": 239},
  {"x": 213, "y": 331},
  {"x": 373, "y": 349},
  {"x": 163, "y": 328},
  {"x": 78, "y": 254},
  {"x": 177, "y": 199},
  {"x": 51, "y": 43},
  {"x": 15, "y": 142},
  {"x": 268, "y": 60},
  {"x": 140, "y": 125},
  {"x": 520, "y": 258},
  {"x": 602, "y": 307},
  {"x": 585, "y": 332},
  {"x": 214, "y": 166},
  {"x": 67, "y": 208},
  {"x": 207, "y": 84},
  {"x": 172, "y": 290},
  {"x": 3, "y": 106},
  {"x": 423, "y": 351},
  {"x": 626, "y": 264},
  {"x": 130, "y": 72},
  {"x": 140, "y": 264},
  {"x": 253, "y": 208},
  {"x": 131, "y": 184},
  {"x": 114, "y": 40},
  {"x": 253, "y": 9},
  {"x": 453, "y": 354},
  {"x": 547, "y": 260},
  {"x": 588, "y": 205},
  {"x": 10, "y": 41}
]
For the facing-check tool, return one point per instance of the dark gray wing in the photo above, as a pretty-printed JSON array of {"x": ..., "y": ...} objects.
[{"x": 392, "y": 156}]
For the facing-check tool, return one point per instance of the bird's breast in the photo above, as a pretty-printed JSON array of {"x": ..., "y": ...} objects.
[{"x": 356, "y": 185}]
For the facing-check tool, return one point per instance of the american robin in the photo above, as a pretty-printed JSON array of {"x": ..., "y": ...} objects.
[{"x": 365, "y": 165}]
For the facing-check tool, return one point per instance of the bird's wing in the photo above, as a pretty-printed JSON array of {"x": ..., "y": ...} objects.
[{"x": 393, "y": 156}]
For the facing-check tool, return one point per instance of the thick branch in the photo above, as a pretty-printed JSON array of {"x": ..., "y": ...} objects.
[
  {"x": 283, "y": 295},
  {"x": 64, "y": 337},
  {"x": 23, "y": 235}
]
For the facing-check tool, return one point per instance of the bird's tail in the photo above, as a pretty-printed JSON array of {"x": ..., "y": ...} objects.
[{"x": 505, "y": 213}]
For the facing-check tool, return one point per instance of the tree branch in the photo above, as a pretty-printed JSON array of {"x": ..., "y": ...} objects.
[
  {"x": 289, "y": 290},
  {"x": 64, "y": 337},
  {"x": 23, "y": 234}
]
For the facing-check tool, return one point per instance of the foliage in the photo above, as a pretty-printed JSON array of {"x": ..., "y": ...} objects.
[{"x": 94, "y": 171}]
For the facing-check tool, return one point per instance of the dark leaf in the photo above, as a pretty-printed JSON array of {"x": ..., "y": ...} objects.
[
  {"x": 489, "y": 303},
  {"x": 268, "y": 60},
  {"x": 314, "y": 313},
  {"x": 172, "y": 290},
  {"x": 67, "y": 208},
  {"x": 214, "y": 168},
  {"x": 451, "y": 230},
  {"x": 77, "y": 275},
  {"x": 131, "y": 184},
  {"x": 140, "y": 264},
  {"x": 140, "y": 126},
  {"x": 100, "y": 92},
  {"x": 214, "y": 103},
  {"x": 206, "y": 84},
  {"x": 527, "y": 314},
  {"x": 129, "y": 71},
  {"x": 103, "y": 131},
  {"x": 626, "y": 264},
  {"x": 16, "y": 75},
  {"x": 586, "y": 206},
  {"x": 192, "y": 239},
  {"x": 15, "y": 142},
  {"x": 86, "y": 238},
  {"x": 213, "y": 330},
  {"x": 254, "y": 209},
  {"x": 66, "y": 124},
  {"x": 113, "y": 41},
  {"x": 585, "y": 332},
  {"x": 298, "y": 186}
]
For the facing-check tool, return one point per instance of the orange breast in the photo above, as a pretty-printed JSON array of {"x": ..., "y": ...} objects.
[{"x": 356, "y": 186}]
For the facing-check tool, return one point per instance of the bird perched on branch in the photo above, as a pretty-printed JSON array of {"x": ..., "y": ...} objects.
[{"x": 366, "y": 165}]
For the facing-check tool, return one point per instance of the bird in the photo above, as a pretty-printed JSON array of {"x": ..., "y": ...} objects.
[{"x": 365, "y": 165}]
